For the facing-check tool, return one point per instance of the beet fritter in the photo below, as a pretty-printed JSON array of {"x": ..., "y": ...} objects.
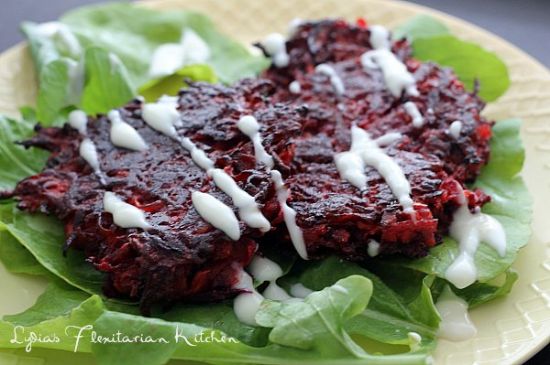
[
  {"x": 182, "y": 257},
  {"x": 367, "y": 102},
  {"x": 337, "y": 217}
]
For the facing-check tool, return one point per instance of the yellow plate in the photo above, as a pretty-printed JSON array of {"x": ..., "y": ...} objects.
[{"x": 510, "y": 330}]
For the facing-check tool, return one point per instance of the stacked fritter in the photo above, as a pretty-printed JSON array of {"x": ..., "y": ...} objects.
[{"x": 305, "y": 121}]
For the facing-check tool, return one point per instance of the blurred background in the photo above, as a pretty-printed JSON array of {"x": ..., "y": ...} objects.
[{"x": 525, "y": 23}]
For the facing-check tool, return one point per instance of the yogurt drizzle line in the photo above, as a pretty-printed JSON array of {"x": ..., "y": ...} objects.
[
  {"x": 412, "y": 110},
  {"x": 247, "y": 304},
  {"x": 275, "y": 46},
  {"x": 469, "y": 230},
  {"x": 162, "y": 117},
  {"x": 88, "y": 151},
  {"x": 250, "y": 127},
  {"x": 335, "y": 80},
  {"x": 124, "y": 215},
  {"x": 455, "y": 322},
  {"x": 123, "y": 134},
  {"x": 396, "y": 75},
  {"x": 366, "y": 151}
]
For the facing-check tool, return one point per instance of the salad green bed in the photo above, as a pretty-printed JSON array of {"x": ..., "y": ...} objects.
[{"x": 371, "y": 324}]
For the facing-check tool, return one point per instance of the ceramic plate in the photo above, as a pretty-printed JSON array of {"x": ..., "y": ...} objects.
[{"x": 510, "y": 330}]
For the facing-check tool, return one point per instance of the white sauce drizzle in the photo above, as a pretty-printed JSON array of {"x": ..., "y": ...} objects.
[
  {"x": 469, "y": 229},
  {"x": 246, "y": 305},
  {"x": 414, "y": 340},
  {"x": 379, "y": 37},
  {"x": 275, "y": 46},
  {"x": 455, "y": 128},
  {"x": 275, "y": 292},
  {"x": 79, "y": 121},
  {"x": 123, "y": 134},
  {"x": 373, "y": 248},
  {"x": 87, "y": 149},
  {"x": 217, "y": 214},
  {"x": 88, "y": 152},
  {"x": 294, "y": 87},
  {"x": 455, "y": 322},
  {"x": 365, "y": 151},
  {"x": 249, "y": 211},
  {"x": 124, "y": 214},
  {"x": 161, "y": 117},
  {"x": 298, "y": 290},
  {"x": 396, "y": 75},
  {"x": 412, "y": 110},
  {"x": 289, "y": 215},
  {"x": 170, "y": 57},
  {"x": 250, "y": 127},
  {"x": 335, "y": 80},
  {"x": 264, "y": 269},
  {"x": 388, "y": 139}
]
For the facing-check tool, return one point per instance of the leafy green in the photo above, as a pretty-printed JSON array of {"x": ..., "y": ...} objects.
[
  {"x": 17, "y": 162},
  {"x": 510, "y": 205},
  {"x": 392, "y": 312},
  {"x": 59, "y": 312},
  {"x": 420, "y": 26},
  {"x": 480, "y": 293},
  {"x": 59, "y": 72},
  {"x": 63, "y": 311},
  {"x": 134, "y": 32},
  {"x": 43, "y": 236},
  {"x": 318, "y": 321},
  {"x": 107, "y": 84},
  {"x": 469, "y": 61},
  {"x": 170, "y": 85},
  {"x": 432, "y": 41},
  {"x": 17, "y": 259}
]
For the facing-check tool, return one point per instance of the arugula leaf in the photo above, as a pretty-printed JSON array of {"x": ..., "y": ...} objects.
[
  {"x": 318, "y": 321},
  {"x": 170, "y": 85},
  {"x": 432, "y": 41},
  {"x": 420, "y": 26},
  {"x": 134, "y": 32},
  {"x": 107, "y": 85},
  {"x": 468, "y": 60},
  {"x": 511, "y": 206},
  {"x": 480, "y": 293},
  {"x": 390, "y": 315}
]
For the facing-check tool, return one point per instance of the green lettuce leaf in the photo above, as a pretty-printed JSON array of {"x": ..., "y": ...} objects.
[
  {"x": 43, "y": 237},
  {"x": 59, "y": 312},
  {"x": 16, "y": 161},
  {"x": 318, "y": 321},
  {"x": 170, "y": 85},
  {"x": 16, "y": 259},
  {"x": 395, "y": 308},
  {"x": 511, "y": 205},
  {"x": 134, "y": 32},
  {"x": 63, "y": 311},
  {"x": 107, "y": 83},
  {"x": 432, "y": 41},
  {"x": 420, "y": 26},
  {"x": 469, "y": 61}
]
